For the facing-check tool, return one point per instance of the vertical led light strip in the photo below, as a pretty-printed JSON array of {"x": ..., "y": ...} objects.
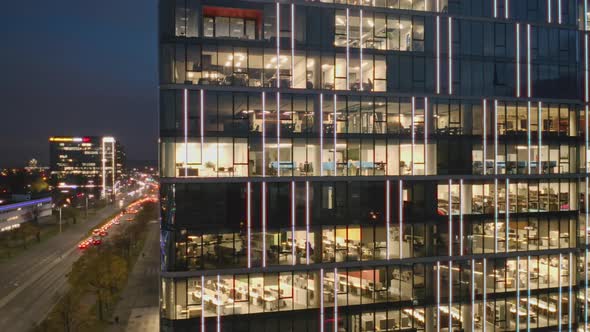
[
  {"x": 438, "y": 296},
  {"x": 485, "y": 137},
  {"x": 361, "y": 51},
  {"x": 249, "y": 222},
  {"x": 263, "y": 224},
  {"x": 278, "y": 44},
  {"x": 322, "y": 319},
  {"x": 507, "y": 212},
  {"x": 293, "y": 247},
  {"x": 450, "y": 56},
  {"x": 450, "y": 220},
  {"x": 185, "y": 101},
  {"x": 528, "y": 293},
  {"x": 496, "y": 138},
  {"x": 496, "y": 215},
  {"x": 587, "y": 137},
  {"x": 387, "y": 216},
  {"x": 558, "y": 11},
  {"x": 517, "y": 290},
  {"x": 461, "y": 217},
  {"x": 293, "y": 45},
  {"x": 202, "y": 122},
  {"x": 473, "y": 294},
  {"x": 104, "y": 172},
  {"x": 450, "y": 328},
  {"x": 347, "y": 47},
  {"x": 279, "y": 134},
  {"x": 202, "y": 306},
  {"x": 585, "y": 16},
  {"x": 586, "y": 180},
  {"x": 322, "y": 134},
  {"x": 528, "y": 135},
  {"x": 336, "y": 299},
  {"x": 438, "y": 54},
  {"x": 218, "y": 293},
  {"x": 335, "y": 123},
  {"x": 263, "y": 134},
  {"x": 413, "y": 127},
  {"x": 586, "y": 69},
  {"x": 586, "y": 280},
  {"x": 307, "y": 221},
  {"x": 401, "y": 216},
  {"x": 570, "y": 301},
  {"x": 495, "y": 13},
  {"x": 539, "y": 137},
  {"x": 586, "y": 204},
  {"x": 560, "y": 299},
  {"x": 586, "y": 257},
  {"x": 549, "y": 11},
  {"x": 517, "y": 60},
  {"x": 426, "y": 136},
  {"x": 506, "y": 10},
  {"x": 528, "y": 60},
  {"x": 113, "y": 167},
  {"x": 485, "y": 297},
  {"x": 587, "y": 167}
]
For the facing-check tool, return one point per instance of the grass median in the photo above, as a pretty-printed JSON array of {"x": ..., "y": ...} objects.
[{"x": 29, "y": 234}]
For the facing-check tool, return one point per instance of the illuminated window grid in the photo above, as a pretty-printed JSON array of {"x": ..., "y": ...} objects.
[{"x": 413, "y": 143}]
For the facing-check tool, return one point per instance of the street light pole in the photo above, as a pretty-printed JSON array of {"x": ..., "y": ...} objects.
[
  {"x": 86, "y": 195},
  {"x": 60, "y": 219}
]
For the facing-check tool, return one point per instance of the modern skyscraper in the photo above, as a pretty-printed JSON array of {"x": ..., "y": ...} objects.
[
  {"x": 86, "y": 161},
  {"x": 374, "y": 165}
]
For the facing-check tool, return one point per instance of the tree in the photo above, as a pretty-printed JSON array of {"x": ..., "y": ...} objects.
[
  {"x": 39, "y": 185},
  {"x": 122, "y": 244},
  {"x": 25, "y": 231},
  {"x": 101, "y": 272},
  {"x": 65, "y": 309},
  {"x": 68, "y": 315},
  {"x": 70, "y": 213}
]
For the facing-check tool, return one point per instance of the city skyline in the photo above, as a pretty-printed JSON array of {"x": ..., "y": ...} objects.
[{"x": 97, "y": 76}]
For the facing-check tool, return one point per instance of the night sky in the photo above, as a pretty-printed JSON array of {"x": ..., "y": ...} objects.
[{"x": 71, "y": 67}]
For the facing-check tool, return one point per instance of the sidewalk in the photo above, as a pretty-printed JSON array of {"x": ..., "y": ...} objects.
[{"x": 138, "y": 309}]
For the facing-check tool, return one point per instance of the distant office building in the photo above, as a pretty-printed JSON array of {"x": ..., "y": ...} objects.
[
  {"x": 120, "y": 160},
  {"x": 87, "y": 161},
  {"x": 12, "y": 215},
  {"x": 33, "y": 166},
  {"x": 374, "y": 165}
]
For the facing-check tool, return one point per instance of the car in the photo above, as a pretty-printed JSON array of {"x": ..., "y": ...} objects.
[
  {"x": 95, "y": 231},
  {"x": 130, "y": 219},
  {"x": 83, "y": 245},
  {"x": 117, "y": 222},
  {"x": 104, "y": 233},
  {"x": 96, "y": 242}
]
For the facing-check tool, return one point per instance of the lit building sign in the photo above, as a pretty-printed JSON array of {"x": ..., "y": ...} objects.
[{"x": 70, "y": 139}]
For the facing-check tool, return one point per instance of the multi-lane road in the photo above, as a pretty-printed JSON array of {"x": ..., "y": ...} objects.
[{"x": 30, "y": 284}]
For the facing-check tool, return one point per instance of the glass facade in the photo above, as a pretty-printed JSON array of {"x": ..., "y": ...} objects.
[{"x": 374, "y": 165}]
